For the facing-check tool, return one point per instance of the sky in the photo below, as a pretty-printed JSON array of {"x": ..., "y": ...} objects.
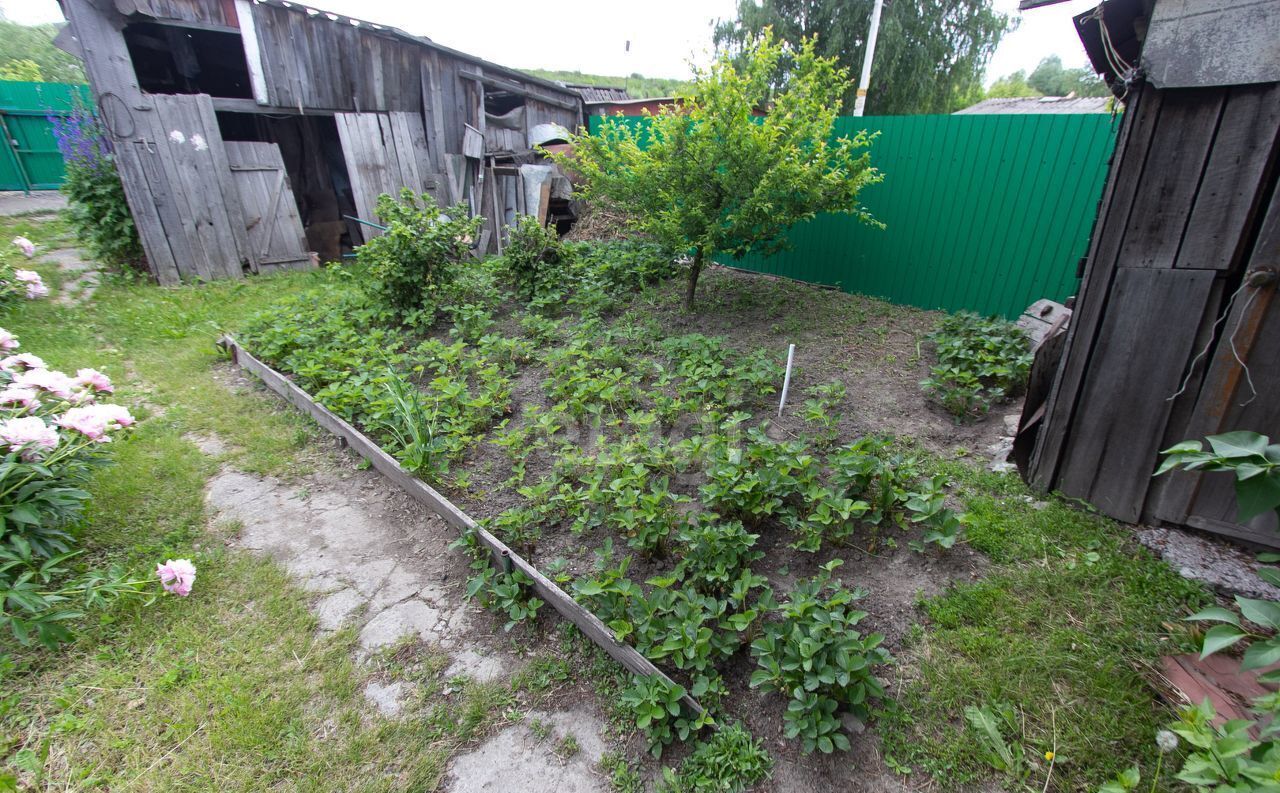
[{"x": 664, "y": 35}]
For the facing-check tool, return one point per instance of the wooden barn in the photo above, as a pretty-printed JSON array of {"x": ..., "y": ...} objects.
[
  {"x": 248, "y": 132},
  {"x": 1176, "y": 332}
]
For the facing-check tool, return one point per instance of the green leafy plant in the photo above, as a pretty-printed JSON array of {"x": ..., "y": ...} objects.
[
  {"x": 980, "y": 362},
  {"x": 988, "y": 726},
  {"x": 417, "y": 254},
  {"x": 708, "y": 176},
  {"x": 660, "y": 712},
  {"x": 534, "y": 256},
  {"x": 816, "y": 656},
  {"x": 1253, "y": 458},
  {"x": 729, "y": 761}
]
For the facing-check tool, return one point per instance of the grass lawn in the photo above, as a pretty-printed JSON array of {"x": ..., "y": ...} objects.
[{"x": 233, "y": 689}]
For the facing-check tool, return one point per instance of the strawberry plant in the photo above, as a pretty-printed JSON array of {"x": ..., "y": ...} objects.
[
  {"x": 728, "y": 761},
  {"x": 714, "y": 553},
  {"x": 980, "y": 362},
  {"x": 816, "y": 656},
  {"x": 660, "y": 711}
]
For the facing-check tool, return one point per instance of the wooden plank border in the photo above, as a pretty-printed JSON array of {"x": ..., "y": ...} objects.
[{"x": 424, "y": 494}]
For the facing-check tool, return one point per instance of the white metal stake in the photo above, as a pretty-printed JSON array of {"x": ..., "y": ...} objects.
[
  {"x": 864, "y": 82},
  {"x": 786, "y": 381}
]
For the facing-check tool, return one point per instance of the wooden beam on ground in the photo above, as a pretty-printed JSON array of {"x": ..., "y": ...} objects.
[{"x": 424, "y": 494}]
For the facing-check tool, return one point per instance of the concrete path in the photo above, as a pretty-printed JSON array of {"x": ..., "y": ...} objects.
[{"x": 19, "y": 203}]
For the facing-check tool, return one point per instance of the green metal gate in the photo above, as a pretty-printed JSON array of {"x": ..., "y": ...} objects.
[{"x": 30, "y": 159}]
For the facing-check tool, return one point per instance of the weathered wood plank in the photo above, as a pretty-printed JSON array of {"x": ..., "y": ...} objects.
[
  {"x": 424, "y": 494},
  {"x": 1136, "y": 364},
  {"x": 1236, "y": 179}
]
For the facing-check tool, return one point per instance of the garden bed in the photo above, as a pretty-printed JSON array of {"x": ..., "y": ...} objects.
[{"x": 590, "y": 420}]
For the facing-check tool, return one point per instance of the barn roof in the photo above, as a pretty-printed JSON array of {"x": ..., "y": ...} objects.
[{"x": 599, "y": 93}]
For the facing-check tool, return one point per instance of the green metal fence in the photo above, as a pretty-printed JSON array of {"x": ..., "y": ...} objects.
[
  {"x": 982, "y": 212},
  {"x": 30, "y": 159}
]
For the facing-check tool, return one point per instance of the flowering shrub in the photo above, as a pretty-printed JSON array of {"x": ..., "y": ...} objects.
[
  {"x": 52, "y": 429},
  {"x": 17, "y": 284},
  {"x": 97, "y": 207}
]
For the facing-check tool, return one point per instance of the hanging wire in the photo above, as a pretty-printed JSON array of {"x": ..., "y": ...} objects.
[{"x": 1231, "y": 341}]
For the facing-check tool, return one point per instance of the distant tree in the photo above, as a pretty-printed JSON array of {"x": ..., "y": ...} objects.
[
  {"x": 25, "y": 70},
  {"x": 1050, "y": 78},
  {"x": 637, "y": 85},
  {"x": 710, "y": 177},
  {"x": 930, "y": 56},
  {"x": 1012, "y": 86},
  {"x": 35, "y": 43}
]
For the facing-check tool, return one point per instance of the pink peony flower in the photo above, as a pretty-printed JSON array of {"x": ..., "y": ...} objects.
[
  {"x": 92, "y": 378},
  {"x": 25, "y": 245},
  {"x": 96, "y": 421},
  {"x": 8, "y": 341},
  {"x": 30, "y": 435},
  {"x": 22, "y": 396},
  {"x": 21, "y": 362},
  {"x": 177, "y": 576},
  {"x": 53, "y": 382},
  {"x": 35, "y": 285}
]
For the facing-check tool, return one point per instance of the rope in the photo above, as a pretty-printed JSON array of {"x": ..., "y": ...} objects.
[{"x": 1231, "y": 340}]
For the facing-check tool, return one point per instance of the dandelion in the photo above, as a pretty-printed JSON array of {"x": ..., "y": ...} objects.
[
  {"x": 177, "y": 576},
  {"x": 25, "y": 245},
  {"x": 1049, "y": 756},
  {"x": 8, "y": 341},
  {"x": 35, "y": 285},
  {"x": 22, "y": 362},
  {"x": 29, "y": 435},
  {"x": 1166, "y": 741}
]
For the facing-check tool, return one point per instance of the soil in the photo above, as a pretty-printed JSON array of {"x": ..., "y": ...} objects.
[{"x": 879, "y": 352}]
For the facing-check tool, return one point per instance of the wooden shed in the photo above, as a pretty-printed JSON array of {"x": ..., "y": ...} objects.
[
  {"x": 246, "y": 132},
  {"x": 1176, "y": 332}
]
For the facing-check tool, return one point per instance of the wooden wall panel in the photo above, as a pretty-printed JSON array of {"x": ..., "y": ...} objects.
[{"x": 270, "y": 209}]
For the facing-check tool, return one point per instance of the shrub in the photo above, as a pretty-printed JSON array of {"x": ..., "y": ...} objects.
[
  {"x": 97, "y": 208},
  {"x": 52, "y": 429},
  {"x": 980, "y": 362},
  {"x": 816, "y": 657},
  {"x": 730, "y": 761},
  {"x": 533, "y": 256},
  {"x": 417, "y": 254}
]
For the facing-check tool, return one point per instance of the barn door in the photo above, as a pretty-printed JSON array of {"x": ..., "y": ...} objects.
[
  {"x": 276, "y": 238},
  {"x": 385, "y": 152}
]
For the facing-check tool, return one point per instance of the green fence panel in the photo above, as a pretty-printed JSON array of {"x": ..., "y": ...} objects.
[
  {"x": 31, "y": 160},
  {"x": 986, "y": 213}
]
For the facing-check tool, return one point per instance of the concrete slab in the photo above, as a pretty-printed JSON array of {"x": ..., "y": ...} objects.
[
  {"x": 520, "y": 758},
  {"x": 13, "y": 202}
]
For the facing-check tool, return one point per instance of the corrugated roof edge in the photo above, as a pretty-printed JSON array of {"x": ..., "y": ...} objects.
[{"x": 395, "y": 32}]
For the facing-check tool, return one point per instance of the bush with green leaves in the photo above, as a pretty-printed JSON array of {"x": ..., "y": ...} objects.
[
  {"x": 96, "y": 205},
  {"x": 816, "y": 656},
  {"x": 709, "y": 176},
  {"x": 714, "y": 553},
  {"x": 730, "y": 760},
  {"x": 534, "y": 257},
  {"x": 981, "y": 361},
  {"x": 660, "y": 712},
  {"x": 410, "y": 262}
]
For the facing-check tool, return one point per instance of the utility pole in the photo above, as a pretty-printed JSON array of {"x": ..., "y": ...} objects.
[{"x": 864, "y": 82}]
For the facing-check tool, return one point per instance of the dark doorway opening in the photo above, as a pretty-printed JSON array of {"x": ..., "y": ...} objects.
[{"x": 317, "y": 171}]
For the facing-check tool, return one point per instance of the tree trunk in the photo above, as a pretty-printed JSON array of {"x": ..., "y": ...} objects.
[{"x": 694, "y": 269}]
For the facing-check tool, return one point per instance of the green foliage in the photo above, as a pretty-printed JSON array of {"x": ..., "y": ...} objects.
[
  {"x": 660, "y": 712},
  {"x": 22, "y": 70},
  {"x": 930, "y": 57},
  {"x": 1253, "y": 458},
  {"x": 99, "y": 213},
  {"x": 417, "y": 255},
  {"x": 980, "y": 362},
  {"x": 34, "y": 43},
  {"x": 710, "y": 177},
  {"x": 1012, "y": 86},
  {"x": 637, "y": 85},
  {"x": 714, "y": 553},
  {"x": 988, "y": 727},
  {"x": 729, "y": 761},
  {"x": 820, "y": 407},
  {"x": 1227, "y": 758},
  {"x": 1050, "y": 78},
  {"x": 818, "y": 658},
  {"x": 533, "y": 256},
  {"x": 759, "y": 479}
]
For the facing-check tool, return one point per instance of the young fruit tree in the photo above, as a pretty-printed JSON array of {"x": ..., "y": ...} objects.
[{"x": 709, "y": 176}]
